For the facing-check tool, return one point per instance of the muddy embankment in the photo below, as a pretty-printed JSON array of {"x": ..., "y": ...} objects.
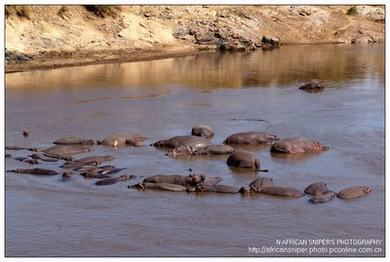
[{"x": 41, "y": 37}]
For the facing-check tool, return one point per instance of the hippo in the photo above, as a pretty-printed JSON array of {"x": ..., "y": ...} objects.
[
  {"x": 192, "y": 179},
  {"x": 215, "y": 150},
  {"x": 29, "y": 160},
  {"x": 312, "y": 87},
  {"x": 75, "y": 141},
  {"x": 66, "y": 151},
  {"x": 183, "y": 144},
  {"x": 111, "y": 181},
  {"x": 256, "y": 185},
  {"x": 203, "y": 131},
  {"x": 159, "y": 186},
  {"x": 87, "y": 161},
  {"x": 34, "y": 171},
  {"x": 281, "y": 191},
  {"x": 45, "y": 159},
  {"x": 99, "y": 172},
  {"x": 316, "y": 189},
  {"x": 297, "y": 145},
  {"x": 25, "y": 133},
  {"x": 123, "y": 139},
  {"x": 21, "y": 148},
  {"x": 244, "y": 160},
  {"x": 323, "y": 198},
  {"x": 208, "y": 150},
  {"x": 354, "y": 192},
  {"x": 250, "y": 138},
  {"x": 66, "y": 175},
  {"x": 214, "y": 188}
]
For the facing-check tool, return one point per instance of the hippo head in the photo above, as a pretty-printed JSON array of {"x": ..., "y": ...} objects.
[
  {"x": 367, "y": 189},
  {"x": 139, "y": 137},
  {"x": 319, "y": 147},
  {"x": 135, "y": 142},
  {"x": 91, "y": 142},
  {"x": 137, "y": 186},
  {"x": 257, "y": 164},
  {"x": 245, "y": 190},
  {"x": 191, "y": 188},
  {"x": 271, "y": 138},
  {"x": 181, "y": 150},
  {"x": 197, "y": 178}
]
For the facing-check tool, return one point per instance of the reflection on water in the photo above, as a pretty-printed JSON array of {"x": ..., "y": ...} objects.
[
  {"x": 46, "y": 216},
  {"x": 285, "y": 66},
  {"x": 294, "y": 157}
]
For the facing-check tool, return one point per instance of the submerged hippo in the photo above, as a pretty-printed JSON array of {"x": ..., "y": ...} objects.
[
  {"x": 75, "y": 141},
  {"x": 34, "y": 171},
  {"x": 25, "y": 133},
  {"x": 208, "y": 150},
  {"x": 281, "y": 191},
  {"x": 214, "y": 189},
  {"x": 354, "y": 192},
  {"x": 159, "y": 186},
  {"x": 66, "y": 175},
  {"x": 111, "y": 181},
  {"x": 250, "y": 138},
  {"x": 99, "y": 172},
  {"x": 21, "y": 148},
  {"x": 245, "y": 160},
  {"x": 323, "y": 198},
  {"x": 66, "y": 151},
  {"x": 87, "y": 161},
  {"x": 183, "y": 144},
  {"x": 256, "y": 185},
  {"x": 316, "y": 189},
  {"x": 32, "y": 161},
  {"x": 297, "y": 145},
  {"x": 175, "y": 179},
  {"x": 45, "y": 159},
  {"x": 203, "y": 131},
  {"x": 312, "y": 87},
  {"x": 215, "y": 150},
  {"x": 122, "y": 139}
]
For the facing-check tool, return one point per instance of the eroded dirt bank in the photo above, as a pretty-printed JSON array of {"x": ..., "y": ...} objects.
[{"x": 40, "y": 37}]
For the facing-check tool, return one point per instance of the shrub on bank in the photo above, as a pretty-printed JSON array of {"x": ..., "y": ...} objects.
[
  {"x": 352, "y": 11},
  {"x": 18, "y": 10},
  {"x": 103, "y": 10}
]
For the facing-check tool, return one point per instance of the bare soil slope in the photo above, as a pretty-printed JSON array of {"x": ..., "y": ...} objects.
[{"x": 54, "y": 36}]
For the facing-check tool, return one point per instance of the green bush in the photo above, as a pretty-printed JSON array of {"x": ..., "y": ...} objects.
[{"x": 352, "y": 11}]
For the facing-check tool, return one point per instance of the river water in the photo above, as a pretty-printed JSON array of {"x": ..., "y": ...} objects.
[{"x": 231, "y": 92}]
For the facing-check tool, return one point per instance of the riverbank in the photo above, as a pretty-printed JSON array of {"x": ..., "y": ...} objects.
[{"x": 44, "y": 37}]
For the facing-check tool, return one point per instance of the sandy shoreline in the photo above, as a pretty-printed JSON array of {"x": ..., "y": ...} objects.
[{"x": 60, "y": 60}]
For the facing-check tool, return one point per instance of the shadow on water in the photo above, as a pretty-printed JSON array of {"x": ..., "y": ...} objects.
[{"x": 293, "y": 157}]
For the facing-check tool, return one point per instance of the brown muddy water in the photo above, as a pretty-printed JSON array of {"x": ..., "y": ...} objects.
[{"x": 46, "y": 216}]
